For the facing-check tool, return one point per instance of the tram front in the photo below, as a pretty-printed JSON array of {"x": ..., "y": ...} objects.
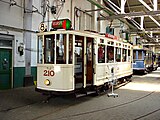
[{"x": 55, "y": 69}]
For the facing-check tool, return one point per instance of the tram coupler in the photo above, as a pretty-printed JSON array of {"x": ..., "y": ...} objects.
[{"x": 48, "y": 98}]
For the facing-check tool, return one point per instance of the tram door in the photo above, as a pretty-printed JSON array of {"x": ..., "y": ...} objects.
[
  {"x": 89, "y": 60},
  {"x": 83, "y": 63},
  {"x": 5, "y": 68},
  {"x": 79, "y": 61}
]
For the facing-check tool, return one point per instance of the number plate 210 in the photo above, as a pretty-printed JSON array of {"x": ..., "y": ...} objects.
[{"x": 48, "y": 73}]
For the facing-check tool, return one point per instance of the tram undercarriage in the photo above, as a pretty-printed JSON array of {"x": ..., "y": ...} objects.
[{"x": 90, "y": 89}]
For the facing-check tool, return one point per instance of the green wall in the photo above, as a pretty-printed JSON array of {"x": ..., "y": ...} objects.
[{"x": 19, "y": 73}]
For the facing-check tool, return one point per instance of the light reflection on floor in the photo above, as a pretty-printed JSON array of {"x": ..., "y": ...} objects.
[
  {"x": 151, "y": 75},
  {"x": 148, "y": 82},
  {"x": 142, "y": 87}
]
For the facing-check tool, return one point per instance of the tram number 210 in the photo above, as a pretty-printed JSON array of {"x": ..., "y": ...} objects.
[{"x": 48, "y": 73}]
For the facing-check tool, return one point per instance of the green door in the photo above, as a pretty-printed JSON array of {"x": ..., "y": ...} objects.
[{"x": 5, "y": 68}]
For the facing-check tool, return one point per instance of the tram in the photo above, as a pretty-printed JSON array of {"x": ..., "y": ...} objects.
[
  {"x": 71, "y": 61},
  {"x": 143, "y": 60}
]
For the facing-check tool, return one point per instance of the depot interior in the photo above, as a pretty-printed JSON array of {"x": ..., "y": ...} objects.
[{"x": 133, "y": 21}]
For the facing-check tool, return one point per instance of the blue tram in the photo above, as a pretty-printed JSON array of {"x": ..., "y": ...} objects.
[{"x": 143, "y": 60}]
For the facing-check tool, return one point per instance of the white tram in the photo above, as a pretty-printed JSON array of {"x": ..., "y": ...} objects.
[{"x": 70, "y": 61}]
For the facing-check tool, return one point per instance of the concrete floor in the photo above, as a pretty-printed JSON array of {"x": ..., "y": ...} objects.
[{"x": 138, "y": 100}]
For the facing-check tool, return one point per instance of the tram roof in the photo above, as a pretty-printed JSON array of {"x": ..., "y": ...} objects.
[{"x": 77, "y": 32}]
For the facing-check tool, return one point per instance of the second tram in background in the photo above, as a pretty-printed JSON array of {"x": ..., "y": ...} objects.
[
  {"x": 72, "y": 61},
  {"x": 144, "y": 60}
]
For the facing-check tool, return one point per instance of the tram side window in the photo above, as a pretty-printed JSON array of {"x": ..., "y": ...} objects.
[
  {"x": 140, "y": 55},
  {"x": 134, "y": 55},
  {"x": 40, "y": 43},
  {"x": 49, "y": 49},
  {"x": 118, "y": 54},
  {"x": 129, "y": 55},
  {"x": 70, "y": 49},
  {"x": 110, "y": 54},
  {"x": 61, "y": 49},
  {"x": 124, "y": 57},
  {"x": 101, "y": 53}
]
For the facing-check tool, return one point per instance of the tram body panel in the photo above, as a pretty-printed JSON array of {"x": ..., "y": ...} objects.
[
  {"x": 103, "y": 72},
  {"x": 123, "y": 69},
  {"x": 139, "y": 65},
  {"x": 60, "y": 77}
]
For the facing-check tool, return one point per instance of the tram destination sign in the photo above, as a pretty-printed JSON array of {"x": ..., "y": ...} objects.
[
  {"x": 111, "y": 36},
  {"x": 61, "y": 24}
]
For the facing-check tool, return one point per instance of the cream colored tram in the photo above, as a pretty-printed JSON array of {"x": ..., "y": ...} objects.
[{"x": 70, "y": 61}]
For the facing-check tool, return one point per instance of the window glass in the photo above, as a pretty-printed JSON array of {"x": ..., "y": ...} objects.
[
  {"x": 89, "y": 50},
  {"x": 70, "y": 49},
  {"x": 101, "y": 53},
  {"x": 110, "y": 54},
  {"x": 124, "y": 57},
  {"x": 129, "y": 55},
  {"x": 118, "y": 54},
  {"x": 134, "y": 54},
  {"x": 40, "y": 43},
  {"x": 61, "y": 49},
  {"x": 78, "y": 57},
  {"x": 6, "y": 43},
  {"x": 140, "y": 54},
  {"x": 49, "y": 49}
]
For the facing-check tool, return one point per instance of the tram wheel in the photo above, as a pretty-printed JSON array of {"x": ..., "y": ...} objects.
[{"x": 98, "y": 91}]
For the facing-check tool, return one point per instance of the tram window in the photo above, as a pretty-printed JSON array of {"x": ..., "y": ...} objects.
[
  {"x": 49, "y": 49},
  {"x": 89, "y": 51},
  {"x": 110, "y": 54},
  {"x": 124, "y": 57},
  {"x": 118, "y": 54},
  {"x": 78, "y": 52},
  {"x": 134, "y": 54},
  {"x": 40, "y": 43},
  {"x": 129, "y": 55},
  {"x": 70, "y": 49},
  {"x": 101, "y": 53},
  {"x": 140, "y": 54},
  {"x": 61, "y": 49}
]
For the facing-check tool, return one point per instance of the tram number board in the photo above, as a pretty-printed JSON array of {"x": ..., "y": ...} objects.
[{"x": 48, "y": 73}]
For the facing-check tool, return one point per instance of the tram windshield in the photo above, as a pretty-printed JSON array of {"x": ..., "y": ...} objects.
[{"x": 55, "y": 49}]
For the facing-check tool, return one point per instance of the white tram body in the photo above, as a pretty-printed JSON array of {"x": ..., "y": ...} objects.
[{"x": 80, "y": 60}]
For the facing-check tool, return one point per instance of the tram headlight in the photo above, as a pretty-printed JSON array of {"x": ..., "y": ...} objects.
[{"x": 47, "y": 82}]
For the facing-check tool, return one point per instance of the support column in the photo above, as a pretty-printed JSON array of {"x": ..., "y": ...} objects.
[
  {"x": 142, "y": 19},
  {"x": 123, "y": 2},
  {"x": 155, "y": 5},
  {"x": 27, "y": 40}
]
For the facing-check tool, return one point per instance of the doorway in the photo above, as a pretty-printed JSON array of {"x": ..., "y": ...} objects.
[
  {"x": 5, "y": 68},
  {"x": 89, "y": 61},
  {"x": 79, "y": 61}
]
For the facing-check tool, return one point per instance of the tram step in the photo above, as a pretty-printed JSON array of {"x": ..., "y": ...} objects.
[
  {"x": 80, "y": 95},
  {"x": 91, "y": 92}
]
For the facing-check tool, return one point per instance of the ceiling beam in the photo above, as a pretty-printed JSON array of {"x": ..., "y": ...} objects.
[
  {"x": 132, "y": 14},
  {"x": 145, "y": 4},
  {"x": 110, "y": 12},
  {"x": 115, "y": 7},
  {"x": 139, "y": 5},
  {"x": 150, "y": 9}
]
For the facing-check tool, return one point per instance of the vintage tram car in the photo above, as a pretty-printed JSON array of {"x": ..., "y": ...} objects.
[{"x": 72, "y": 61}]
